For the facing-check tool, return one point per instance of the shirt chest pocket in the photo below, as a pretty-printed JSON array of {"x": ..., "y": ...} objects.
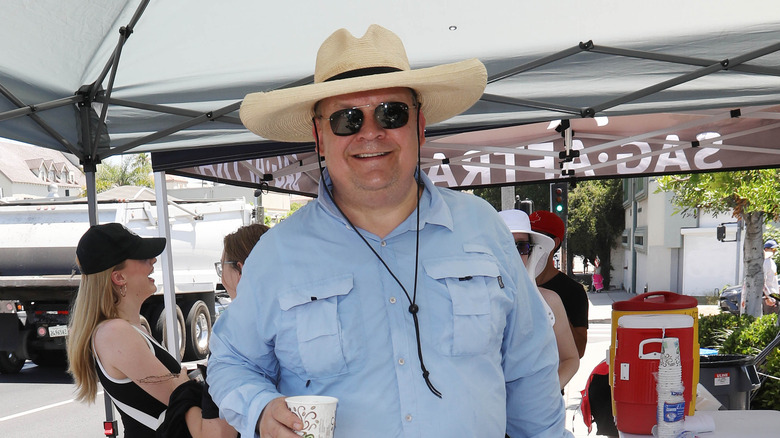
[
  {"x": 471, "y": 282},
  {"x": 311, "y": 341}
]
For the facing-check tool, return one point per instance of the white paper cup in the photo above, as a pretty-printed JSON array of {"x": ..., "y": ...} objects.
[{"x": 317, "y": 414}]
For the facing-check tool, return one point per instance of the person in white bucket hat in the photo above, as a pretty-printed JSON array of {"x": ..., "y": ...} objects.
[
  {"x": 403, "y": 300},
  {"x": 534, "y": 248}
]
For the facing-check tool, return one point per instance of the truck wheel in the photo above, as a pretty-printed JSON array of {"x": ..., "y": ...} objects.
[
  {"x": 10, "y": 363},
  {"x": 161, "y": 334},
  {"x": 198, "y": 331}
]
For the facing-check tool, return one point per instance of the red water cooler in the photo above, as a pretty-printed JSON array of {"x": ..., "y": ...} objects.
[{"x": 637, "y": 354}]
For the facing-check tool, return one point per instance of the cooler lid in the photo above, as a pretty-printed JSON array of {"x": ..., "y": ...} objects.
[
  {"x": 651, "y": 301},
  {"x": 665, "y": 321}
]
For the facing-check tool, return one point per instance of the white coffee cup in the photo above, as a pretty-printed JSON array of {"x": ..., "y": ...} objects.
[{"x": 317, "y": 414}]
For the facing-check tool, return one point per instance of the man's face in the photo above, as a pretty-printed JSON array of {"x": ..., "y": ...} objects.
[{"x": 375, "y": 160}]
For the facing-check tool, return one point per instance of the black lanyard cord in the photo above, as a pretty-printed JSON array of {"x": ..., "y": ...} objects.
[{"x": 413, "y": 308}]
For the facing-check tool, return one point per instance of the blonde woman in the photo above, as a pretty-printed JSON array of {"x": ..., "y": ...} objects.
[{"x": 107, "y": 343}]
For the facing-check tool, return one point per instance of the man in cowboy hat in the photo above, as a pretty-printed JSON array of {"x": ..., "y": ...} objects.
[{"x": 405, "y": 301}]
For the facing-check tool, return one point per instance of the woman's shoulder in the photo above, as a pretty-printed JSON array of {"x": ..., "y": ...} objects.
[
  {"x": 552, "y": 298},
  {"x": 115, "y": 331}
]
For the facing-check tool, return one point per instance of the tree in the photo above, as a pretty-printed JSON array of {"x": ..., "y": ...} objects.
[
  {"x": 595, "y": 221},
  {"x": 132, "y": 170},
  {"x": 751, "y": 195}
]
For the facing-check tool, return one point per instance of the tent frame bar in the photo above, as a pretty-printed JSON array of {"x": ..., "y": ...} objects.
[
  {"x": 166, "y": 109},
  {"x": 203, "y": 117},
  {"x": 95, "y": 94}
]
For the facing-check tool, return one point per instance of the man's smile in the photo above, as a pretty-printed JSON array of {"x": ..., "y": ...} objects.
[{"x": 371, "y": 155}]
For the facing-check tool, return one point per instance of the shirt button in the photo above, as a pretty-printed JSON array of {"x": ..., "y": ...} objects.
[
  {"x": 408, "y": 417},
  {"x": 383, "y": 243},
  {"x": 392, "y": 300},
  {"x": 401, "y": 361}
]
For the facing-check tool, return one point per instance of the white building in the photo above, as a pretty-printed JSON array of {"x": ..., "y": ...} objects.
[
  {"x": 28, "y": 171},
  {"x": 664, "y": 251}
]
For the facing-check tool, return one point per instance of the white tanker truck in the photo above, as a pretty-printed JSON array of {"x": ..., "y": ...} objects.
[{"x": 39, "y": 277}]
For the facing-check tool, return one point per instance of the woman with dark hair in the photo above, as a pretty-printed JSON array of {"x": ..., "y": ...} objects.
[{"x": 237, "y": 246}]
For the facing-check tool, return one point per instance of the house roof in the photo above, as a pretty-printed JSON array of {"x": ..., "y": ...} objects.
[{"x": 20, "y": 159}]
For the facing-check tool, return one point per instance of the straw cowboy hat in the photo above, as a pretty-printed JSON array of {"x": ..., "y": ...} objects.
[{"x": 346, "y": 64}]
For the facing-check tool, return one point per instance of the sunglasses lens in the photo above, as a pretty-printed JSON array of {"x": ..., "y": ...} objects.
[
  {"x": 524, "y": 248},
  {"x": 392, "y": 115},
  {"x": 346, "y": 122}
]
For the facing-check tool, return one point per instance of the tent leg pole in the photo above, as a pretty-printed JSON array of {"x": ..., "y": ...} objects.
[{"x": 169, "y": 289}]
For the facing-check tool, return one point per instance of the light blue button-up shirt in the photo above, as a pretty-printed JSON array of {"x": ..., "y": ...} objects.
[{"x": 318, "y": 313}]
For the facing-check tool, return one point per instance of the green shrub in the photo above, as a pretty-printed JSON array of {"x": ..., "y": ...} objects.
[
  {"x": 768, "y": 397},
  {"x": 746, "y": 335},
  {"x": 713, "y": 329}
]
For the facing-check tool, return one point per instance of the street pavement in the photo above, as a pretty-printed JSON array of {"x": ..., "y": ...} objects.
[{"x": 599, "y": 338}]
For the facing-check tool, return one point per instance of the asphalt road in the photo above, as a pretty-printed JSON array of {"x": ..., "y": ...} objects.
[{"x": 39, "y": 403}]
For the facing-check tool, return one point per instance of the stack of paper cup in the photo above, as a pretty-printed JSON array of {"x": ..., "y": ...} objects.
[{"x": 671, "y": 403}]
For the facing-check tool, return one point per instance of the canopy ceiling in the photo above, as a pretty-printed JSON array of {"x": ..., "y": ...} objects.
[{"x": 649, "y": 88}]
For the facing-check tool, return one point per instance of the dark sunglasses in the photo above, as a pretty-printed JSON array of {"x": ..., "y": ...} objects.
[
  {"x": 524, "y": 247},
  {"x": 389, "y": 115}
]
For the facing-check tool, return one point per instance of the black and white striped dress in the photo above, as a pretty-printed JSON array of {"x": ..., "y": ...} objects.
[{"x": 141, "y": 413}]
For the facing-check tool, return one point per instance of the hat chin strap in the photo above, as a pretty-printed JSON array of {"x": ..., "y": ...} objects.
[{"x": 413, "y": 307}]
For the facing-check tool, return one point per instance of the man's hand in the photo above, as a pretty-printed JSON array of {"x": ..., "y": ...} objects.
[{"x": 277, "y": 421}]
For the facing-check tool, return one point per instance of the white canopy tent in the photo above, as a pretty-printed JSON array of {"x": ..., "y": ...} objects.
[
  {"x": 647, "y": 87},
  {"x": 105, "y": 78}
]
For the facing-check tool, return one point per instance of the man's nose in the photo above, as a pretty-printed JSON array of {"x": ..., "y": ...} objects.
[{"x": 371, "y": 128}]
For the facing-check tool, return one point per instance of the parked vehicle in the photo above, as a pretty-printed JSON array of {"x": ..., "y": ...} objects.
[
  {"x": 38, "y": 272},
  {"x": 730, "y": 298}
]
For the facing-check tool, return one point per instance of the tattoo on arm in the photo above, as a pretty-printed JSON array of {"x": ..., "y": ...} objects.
[{"x": 159, "y": 379}]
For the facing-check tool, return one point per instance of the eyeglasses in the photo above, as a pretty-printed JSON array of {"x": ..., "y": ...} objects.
[
  {"x": 218, "y": 266},
  {"x": 524, "y": 247},
  {"x": 389, "y": 115}
]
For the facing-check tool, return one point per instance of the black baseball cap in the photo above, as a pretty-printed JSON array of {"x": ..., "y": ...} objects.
[{"x": 107, "y": 245}]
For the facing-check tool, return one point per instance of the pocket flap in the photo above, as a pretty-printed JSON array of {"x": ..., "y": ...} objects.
[
  {"x": 475, "y": 265},
  {"x": 316, "y": 290}
]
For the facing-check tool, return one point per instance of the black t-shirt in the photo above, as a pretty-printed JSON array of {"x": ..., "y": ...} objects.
[
  {"x": 573, "y": 296},
  {"x": 209, "y": 409}
]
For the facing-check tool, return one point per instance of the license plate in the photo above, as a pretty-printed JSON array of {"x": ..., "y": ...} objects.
[{"x": 58, "y": 331}]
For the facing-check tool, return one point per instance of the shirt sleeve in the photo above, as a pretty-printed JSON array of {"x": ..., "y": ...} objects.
[
  {"x": 767, "y": 268},
  {"x": 535, "y": 407},
  {"x": 582, "y": 306},
  {"x": 243, "y": 369}
]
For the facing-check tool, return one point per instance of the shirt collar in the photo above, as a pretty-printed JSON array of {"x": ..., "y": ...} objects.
[{"x": 433, "y": 209}]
